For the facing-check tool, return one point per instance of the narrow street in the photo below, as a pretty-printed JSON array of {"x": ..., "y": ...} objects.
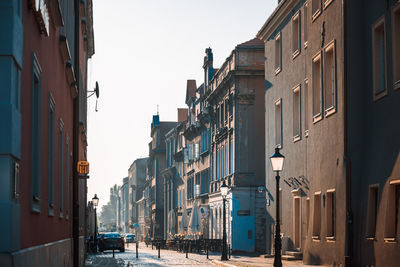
[{"x": 147, "y": 257}]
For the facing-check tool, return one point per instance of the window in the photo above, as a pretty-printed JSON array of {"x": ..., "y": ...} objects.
[
  {"x": 330, "y": 213},
  {"x": 36, "y": 134},
  {"x": 330, "y": 79},
  {"x": 51, "y": 154},
  {"x": 372, "y": 211},
  {"x": 61, "y": 166},
  {"x": 396, "y": 45},
  {"x": 392, "y": 219},
  {"x": 226, "y": 160},
  {"x": 278, "y": 123},
  {"x": 317, "y": 88},
  {"x": 204, "y": 181},
  {"x": 230, "y": 106},
  {"x": 316, "y": 8},
  {"x": 67, "y": 168},
  {"x": 217, "y": 164},
  {"x": 231, "y": 156},
  {"x": 317, "y": 216},
  {"x": 307, "y": 215},
  {"x": 305, "y": 25},
  {"x": 213, "y": 166},
  {"x": 379, "y": 58},
  {"x": 296, "y": 34},
  {"x": 306, "y": 112},
  {"x": 278, "y": 53},
  {"x": 296, "y": 113}
]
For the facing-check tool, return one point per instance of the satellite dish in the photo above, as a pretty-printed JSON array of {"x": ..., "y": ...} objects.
[{"x": 96, "y": 90}]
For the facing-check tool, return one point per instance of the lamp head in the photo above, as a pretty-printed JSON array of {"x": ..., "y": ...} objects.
[
  {"x": 95, "y": 200},
  {"x": 277, "y": 160},
  {"x": 224, "y": 190}
]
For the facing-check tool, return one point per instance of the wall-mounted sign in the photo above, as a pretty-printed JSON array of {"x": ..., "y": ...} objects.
[
  {"x": 42, "y": 15},
  {"x": 83, "y": 167}
]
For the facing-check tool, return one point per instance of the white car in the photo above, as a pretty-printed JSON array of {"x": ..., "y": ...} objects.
[{"x": 130, "y": 238}]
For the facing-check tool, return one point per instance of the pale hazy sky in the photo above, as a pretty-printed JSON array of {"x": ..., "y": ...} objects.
[{"x": 144, "y": 53}]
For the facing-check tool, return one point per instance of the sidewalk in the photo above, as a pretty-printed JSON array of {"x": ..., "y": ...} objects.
[{"x": 255, "y": 262}]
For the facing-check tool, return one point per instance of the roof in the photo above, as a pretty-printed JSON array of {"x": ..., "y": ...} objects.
[
  {"x": 190, "y": 89},
  {"x": 251, "y": 43}
]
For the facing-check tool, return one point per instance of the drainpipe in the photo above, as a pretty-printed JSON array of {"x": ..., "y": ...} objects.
[
  {"x": 347, "y": 162},
  {"x": 75, "y": 181}
]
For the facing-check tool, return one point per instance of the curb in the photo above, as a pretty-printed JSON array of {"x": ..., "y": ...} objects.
[{"x": 221, "y": 263}]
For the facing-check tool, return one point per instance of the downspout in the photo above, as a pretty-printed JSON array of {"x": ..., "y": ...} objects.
[
  {"x": 347, "y": 162},
  {"x": 75, "y": 181}
]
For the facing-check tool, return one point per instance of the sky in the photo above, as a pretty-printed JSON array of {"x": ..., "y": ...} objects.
[{"x": 145, "y": 51}]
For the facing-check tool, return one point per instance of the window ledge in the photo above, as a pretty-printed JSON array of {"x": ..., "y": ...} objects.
[
  {"x": 316, "y": 15},
  {"x": 390, "y": 240},
  {"x": 296, "y": 53},
  {"x": 306, "y": 133},
  {"x": 317, "y": 118},
  {"x": 277, "y": 70},
  {"x": 305, "y": 44},
  {"x": 327, "y": 3},
  {"x": 396, "y": 85},
  {"x": 380, "y": 95},
  {"x": 296, "y": 138},
  {"x": 316, "y": 238},
  {"x": 330, "y": 111},
  {"x": 370, "y": 238},
  {"x": 330, "y": 239}
]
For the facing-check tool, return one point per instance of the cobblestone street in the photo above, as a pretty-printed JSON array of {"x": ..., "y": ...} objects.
[{"x": 149, "y": 257}]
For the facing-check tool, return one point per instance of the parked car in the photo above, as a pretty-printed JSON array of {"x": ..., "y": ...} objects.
[
  {"x": 130, "y": 238},
  {"x": 111, "y": 240}
]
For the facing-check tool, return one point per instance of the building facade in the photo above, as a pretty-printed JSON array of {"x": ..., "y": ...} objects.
[
  {"x": 46, "y": 48},
  {"x": 372, "y": 100},
  {"x": 235, "y": 95},
  {"x": 137, "y": 177},
  {"x": 304, "y": 117},
  {"x": 332, "y": 76}
]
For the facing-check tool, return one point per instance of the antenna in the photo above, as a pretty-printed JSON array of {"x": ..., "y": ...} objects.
[
  {"x": 157, "y": 109},
  {"x": 96, "y": 92}
]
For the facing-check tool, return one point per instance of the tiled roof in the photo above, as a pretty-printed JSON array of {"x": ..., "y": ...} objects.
[{"x": 251, "y": 43}]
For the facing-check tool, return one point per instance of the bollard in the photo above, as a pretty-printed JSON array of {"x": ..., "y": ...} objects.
[
  {"x": 159, "y": 246},
  {"x": 229, "y": 250},
  {"x": 187, "y": 250},
  {"x": 137, "y": 249},
  {"x": 113, "y": 253},
  {"x": 207, "y": 250},
  {"x": 151, "y": 245}
]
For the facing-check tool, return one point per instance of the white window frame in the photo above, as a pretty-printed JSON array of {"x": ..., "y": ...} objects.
[
  {"x": 316, "y": 236},
  {"x": 327, "y": 3},
  {"x": 378, "y": 95},
  {"x": 306, "y": 106},
  {"x": 296, "y": 48},
  {"x": 317, "y": 116},
  {"x": 278, "y": 144},
  {"x": 331, "y": 46},
  {"x": 278, "y": 62},
  {"x": 297, "y": 90},
  {"x": 396, "y": 43},
  {"x": 331, "y": 237},
  {"x": 305, "y": 21},
  {"x": 317, "y": 11}
]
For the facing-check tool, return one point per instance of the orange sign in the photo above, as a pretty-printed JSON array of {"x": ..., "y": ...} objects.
[{"x": 83, "y": 167}]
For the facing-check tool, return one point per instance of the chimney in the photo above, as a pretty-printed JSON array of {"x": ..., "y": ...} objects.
[{"x": 182, "y": 114}]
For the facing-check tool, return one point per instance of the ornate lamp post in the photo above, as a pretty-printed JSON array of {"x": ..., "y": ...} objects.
[
  {"x": 277, "y": 166},
  {"x": 224, "y": 192},
  {"x": 95, "y": 201}
]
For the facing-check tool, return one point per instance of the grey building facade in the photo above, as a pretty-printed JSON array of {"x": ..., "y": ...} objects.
[
  {"x": 235, "y": 95},
  {"x": 332, "y": 89},
  {"x": 137, "y": 179}
]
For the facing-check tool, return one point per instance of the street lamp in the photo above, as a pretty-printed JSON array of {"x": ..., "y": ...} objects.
[
  {"x": 277, "y": 166},
  {"x": 95, "y": 201},
  {"x": 224, "y": 192}
]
